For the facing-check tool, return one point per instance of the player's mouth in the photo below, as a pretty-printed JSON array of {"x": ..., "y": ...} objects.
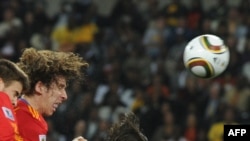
[{"x": 55, "y": 106}]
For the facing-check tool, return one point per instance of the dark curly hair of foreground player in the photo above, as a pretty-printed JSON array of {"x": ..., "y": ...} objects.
[{"x": 127, "y": 129}]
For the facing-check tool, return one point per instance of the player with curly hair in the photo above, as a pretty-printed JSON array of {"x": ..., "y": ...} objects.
[
  {"x": 127, "y": 129},
  {"x": 49, "y": 72},
  {"x": 13, "y": 81}
]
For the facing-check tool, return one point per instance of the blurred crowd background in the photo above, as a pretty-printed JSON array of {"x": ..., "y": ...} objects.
[{"x": 135, "y": 48}]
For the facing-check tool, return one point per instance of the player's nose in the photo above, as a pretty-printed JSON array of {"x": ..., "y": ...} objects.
[
  {"x": 64, "y": 95},
  {"x": 14, "y": 102}
]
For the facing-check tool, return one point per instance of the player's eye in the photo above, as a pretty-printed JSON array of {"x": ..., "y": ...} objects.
[
  {"x": 61, "y": 86},
  {"x": 17, "y": 94}
]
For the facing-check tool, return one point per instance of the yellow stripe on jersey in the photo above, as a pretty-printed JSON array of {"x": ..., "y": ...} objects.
[{"x": 34, "y": 113}]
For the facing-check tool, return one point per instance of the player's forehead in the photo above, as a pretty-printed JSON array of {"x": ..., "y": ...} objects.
[
  {"x": 59, "y": 81},
  {"x": 14, "y": 86}
]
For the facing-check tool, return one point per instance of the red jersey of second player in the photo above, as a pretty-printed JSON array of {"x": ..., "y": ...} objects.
[
  {"x": 7, "y": 119},
  {"x": 31, "y": 124}
]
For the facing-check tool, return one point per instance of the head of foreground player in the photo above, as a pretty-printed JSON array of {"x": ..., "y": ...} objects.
[
  {"x": 12, "y": 80},
  {"x": 49, "y": 72},
  {"x": 127, "y": 129}
]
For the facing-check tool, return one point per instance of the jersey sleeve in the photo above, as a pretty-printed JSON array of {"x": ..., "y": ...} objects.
[{"x": 8, "y": 124}]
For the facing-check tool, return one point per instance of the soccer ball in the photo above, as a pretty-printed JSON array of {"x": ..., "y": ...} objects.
[{"x": 206, "y": 56}]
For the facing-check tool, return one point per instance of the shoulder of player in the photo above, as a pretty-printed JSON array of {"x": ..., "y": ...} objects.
[
  {"x": 5, "y": 101},
  {"x": 25, "y": 111},
  {"x": 4, "y": 97},
  {"x": 21, "y": 106}
]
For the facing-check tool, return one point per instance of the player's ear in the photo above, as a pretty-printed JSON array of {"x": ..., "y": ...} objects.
[
  {"x": 40, "y": 87},
  {"x": 1, "y": 84}
]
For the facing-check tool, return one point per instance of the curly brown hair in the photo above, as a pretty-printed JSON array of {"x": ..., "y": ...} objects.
[
  {"x": 127, "y": 129},
  {"x": 47, "y": 65}
]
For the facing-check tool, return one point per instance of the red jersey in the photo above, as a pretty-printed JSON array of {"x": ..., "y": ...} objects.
[
  {"x": 8, "y": 123},
  {"x": 31, "y": 124}
]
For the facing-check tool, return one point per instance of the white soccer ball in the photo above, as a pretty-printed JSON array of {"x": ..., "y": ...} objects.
[{"x": 206, "y": 56}]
